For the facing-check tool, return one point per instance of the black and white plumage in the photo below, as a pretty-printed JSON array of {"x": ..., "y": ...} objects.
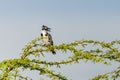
[{"x": 47, "y": 38}]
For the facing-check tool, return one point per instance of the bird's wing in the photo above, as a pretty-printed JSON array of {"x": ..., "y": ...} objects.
[{"x": 50, "y": 39}]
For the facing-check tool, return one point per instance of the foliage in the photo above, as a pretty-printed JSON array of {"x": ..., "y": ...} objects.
[{"x": 86, "y": 50}]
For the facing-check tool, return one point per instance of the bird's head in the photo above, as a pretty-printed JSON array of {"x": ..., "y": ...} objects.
[{"x": 45, "y": 28}]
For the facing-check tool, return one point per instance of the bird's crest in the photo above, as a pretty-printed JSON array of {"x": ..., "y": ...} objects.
[{"x": 45, "y": 28}]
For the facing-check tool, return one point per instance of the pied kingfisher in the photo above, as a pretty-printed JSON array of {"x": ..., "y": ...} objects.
[{"x": 46, "y": 37}]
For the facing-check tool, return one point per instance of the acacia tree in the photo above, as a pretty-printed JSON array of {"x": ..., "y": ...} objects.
[{"x": 86, "y": 50}]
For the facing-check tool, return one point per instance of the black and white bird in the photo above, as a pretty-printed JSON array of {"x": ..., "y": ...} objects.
[{"x": 46, "y": 37}]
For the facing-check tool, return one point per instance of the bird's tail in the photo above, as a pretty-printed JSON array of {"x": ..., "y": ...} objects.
[{"x": 53, "y": 52}]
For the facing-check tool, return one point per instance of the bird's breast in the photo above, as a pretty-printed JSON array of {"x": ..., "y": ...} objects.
[{"x": 44, "y": 33}]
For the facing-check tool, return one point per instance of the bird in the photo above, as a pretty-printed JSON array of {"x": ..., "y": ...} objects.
[{"x": 46, "y": 37}]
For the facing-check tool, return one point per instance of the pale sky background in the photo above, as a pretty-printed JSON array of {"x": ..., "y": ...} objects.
[{"x": 70, "y": 20}]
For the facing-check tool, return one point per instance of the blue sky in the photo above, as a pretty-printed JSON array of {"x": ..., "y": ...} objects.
[{"x": 70, "y": 20}]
